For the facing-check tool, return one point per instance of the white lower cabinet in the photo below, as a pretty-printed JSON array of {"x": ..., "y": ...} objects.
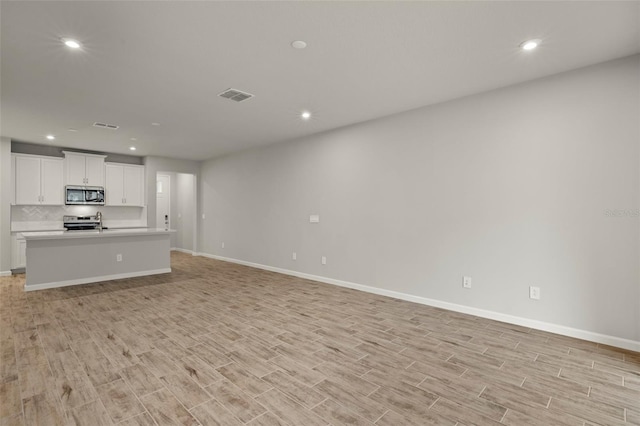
[
  {"x": 18, "y": 252},
  {"x": 124, "y": 185}
]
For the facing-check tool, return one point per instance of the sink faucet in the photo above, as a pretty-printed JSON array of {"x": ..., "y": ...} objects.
[{"x": 99, "y": 218}]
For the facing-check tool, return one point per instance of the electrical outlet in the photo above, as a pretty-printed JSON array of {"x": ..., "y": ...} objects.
[
  {"x": 202, "y": 216},
  {"x": 314, "y": 218},
  {"x": 222, "y": 245},
  {"x": 466, "y": 282},
  {"x": 294, "y": 256},
  {"x": 118, "y": 257},
  {"x": 534, "y": 293},
  {"x": 324, "y": 260}
]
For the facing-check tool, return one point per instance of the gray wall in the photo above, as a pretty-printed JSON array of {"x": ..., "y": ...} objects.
[
  {"x": 513, "y": 187},
  {"x": 56, "y": 151},
  {"x": 5, "y": 204}
]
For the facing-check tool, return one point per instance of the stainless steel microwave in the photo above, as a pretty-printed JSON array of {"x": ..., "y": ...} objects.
[{"x": 84, "y": 195}]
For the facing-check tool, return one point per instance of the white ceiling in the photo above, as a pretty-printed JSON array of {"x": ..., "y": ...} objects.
[{"x": 165, "y": 62}]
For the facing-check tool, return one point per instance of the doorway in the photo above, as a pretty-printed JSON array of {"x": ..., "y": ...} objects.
[
  {"x": 176, "y": 208},
  {"x": 163, "y": 201}
]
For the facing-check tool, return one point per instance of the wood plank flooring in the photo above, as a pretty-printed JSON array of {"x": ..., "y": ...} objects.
[{"x": 215, "y": 343}]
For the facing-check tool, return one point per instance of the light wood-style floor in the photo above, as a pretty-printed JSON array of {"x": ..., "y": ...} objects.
[{"x": 215, "y": 343}]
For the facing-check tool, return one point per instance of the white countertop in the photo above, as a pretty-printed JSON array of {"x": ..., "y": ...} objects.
[
  {"x": 37, "y": 226},
  {"x": 127, "y": 232},
  {"x": 62, "y": 229},
  {"x": 58, "y": 225}
]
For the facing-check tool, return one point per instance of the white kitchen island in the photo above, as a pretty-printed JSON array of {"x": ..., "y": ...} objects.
[{"x": 63, "y": 258}]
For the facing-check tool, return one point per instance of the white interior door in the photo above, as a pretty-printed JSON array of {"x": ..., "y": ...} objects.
[
  {"x": 183, "y": 193},
  {"x": 163, "y": 201}
]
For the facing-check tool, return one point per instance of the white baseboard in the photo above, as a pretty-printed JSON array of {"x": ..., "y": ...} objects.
[
  {"x": 181, "y": 250},
  {"x": 5, "y": 273},
  {"x": 66, "y": 283},
  {"x": 511, "y": 319}
]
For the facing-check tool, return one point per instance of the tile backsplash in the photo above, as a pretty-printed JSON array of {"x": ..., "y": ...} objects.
[{"x": 24, "y": 218}]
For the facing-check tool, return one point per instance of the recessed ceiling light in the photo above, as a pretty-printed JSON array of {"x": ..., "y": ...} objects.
[
  {"x": 73, "y": 44},
  {"x": 305, "y": 115},
  {"x": 51, "y": 137},
  {"x": 298, "y": 44},
  {"x": 155, "y": 124},
  {"x": 71, "y": 129},
  {"x": 530, "y": 44},
  {"x": 132, "y": 148}
]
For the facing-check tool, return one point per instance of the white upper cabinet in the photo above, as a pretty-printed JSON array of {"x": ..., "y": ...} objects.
[
  {"x": 95, "y": 171},
  {"x": 28, "y": 180},
  {"x": 134, "y": 185},
  {"x": 114, "y": 185},
  {"x": 13, "y": 177},
  {"x": 76, "y": 169},
  {"x": 124, "y": 185},
  {"x": 84, "y": 169},
  {"x": 52, "y": 187},
  {"x": 38, "y": 180}
]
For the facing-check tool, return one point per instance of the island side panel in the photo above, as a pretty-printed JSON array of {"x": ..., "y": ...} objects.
[{"x": 61, "y": 262}]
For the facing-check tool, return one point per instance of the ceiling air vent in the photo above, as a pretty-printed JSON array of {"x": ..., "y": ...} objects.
[
  {"x": 235, "y": 95},
  {"x": 106, "y": 126}
]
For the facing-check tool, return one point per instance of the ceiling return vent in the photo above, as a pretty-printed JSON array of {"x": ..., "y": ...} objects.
[
  {"x": 235, "y": 95},
  {"x": 106, "y": 126}
]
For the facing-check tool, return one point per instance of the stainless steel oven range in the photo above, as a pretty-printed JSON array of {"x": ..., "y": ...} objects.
[{"x": 81, "y": 223}]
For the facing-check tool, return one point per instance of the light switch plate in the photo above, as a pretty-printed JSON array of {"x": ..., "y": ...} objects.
[{"x": 314, "y": 218}]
